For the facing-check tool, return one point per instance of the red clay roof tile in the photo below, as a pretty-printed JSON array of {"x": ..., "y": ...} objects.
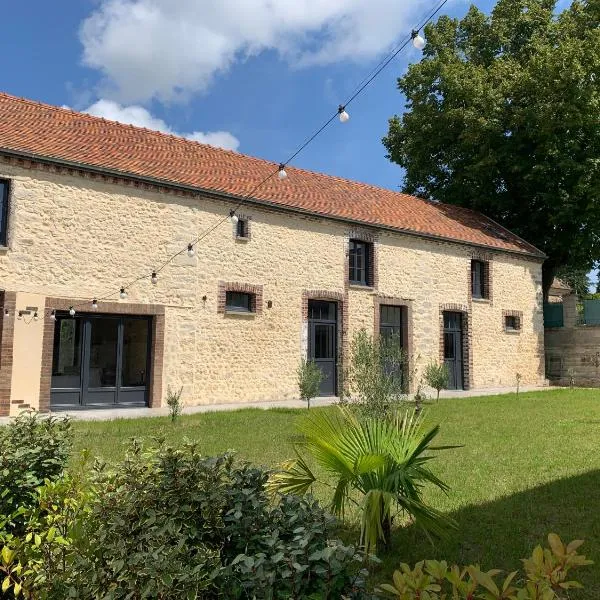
[{"x": 47, "y": 131}]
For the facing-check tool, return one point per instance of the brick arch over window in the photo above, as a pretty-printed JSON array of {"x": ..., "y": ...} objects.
[
  {"x": 342, "y": 326},
  {"x": 467, "y": 346}
]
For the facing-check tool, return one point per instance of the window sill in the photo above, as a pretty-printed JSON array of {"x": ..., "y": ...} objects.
[
  {"x": 361, "y": 286},
  {"x": 481, "y": 300},
  {"x": 239, "y": 313},
  {"x": 4, "y": 249},
  {"x": 242, "y": 239},
  {"x": 512, "y": 331}
]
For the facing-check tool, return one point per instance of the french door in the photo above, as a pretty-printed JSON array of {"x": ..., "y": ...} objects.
[
  {"x": 322, "y": 342},
  {"x": 100, "y": 361},
  {"x": 453, "y": 349}
]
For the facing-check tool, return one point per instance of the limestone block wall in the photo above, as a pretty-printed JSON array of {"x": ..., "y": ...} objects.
[{"x": 72, "y": 235}]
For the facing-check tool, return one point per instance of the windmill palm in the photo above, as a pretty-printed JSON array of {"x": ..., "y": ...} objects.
[{"x": 385, "y": 460}]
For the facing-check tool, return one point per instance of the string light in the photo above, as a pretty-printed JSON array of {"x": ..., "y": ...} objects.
[
  {"x": 20, "y": 315},
  {"x": 154, "y": 278},
  {"x": 234, "y": 218},
  {"x": 53, "y": 315},
  {"x": 123, "y": 294},
  {"x": 190, "y": 251},
  {"x": 281, "y": 172},
  {"x": 344, "y": 116},
  {"x": 72, "y": 311},
  {"x": 35, "y": 316},
  {"x": 417, "y": 41},
  {"x": 94, "y": 304}
]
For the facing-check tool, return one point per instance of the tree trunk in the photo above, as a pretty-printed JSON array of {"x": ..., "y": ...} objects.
[{"x": 549, "y": 269}]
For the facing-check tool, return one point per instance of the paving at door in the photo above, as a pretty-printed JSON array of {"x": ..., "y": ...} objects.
[{"x": 108, "y": 414}]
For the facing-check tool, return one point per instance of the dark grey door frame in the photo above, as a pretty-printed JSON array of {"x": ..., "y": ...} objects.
[
  {"x": 118, "y": 394},
  {"x": 327, "y": 365},
  {"x": 453, "y": 348}
]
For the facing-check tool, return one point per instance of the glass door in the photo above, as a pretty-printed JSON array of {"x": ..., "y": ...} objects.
[
  {"x": 322, "y": 342},
  {"x": 100, "y": 376}
]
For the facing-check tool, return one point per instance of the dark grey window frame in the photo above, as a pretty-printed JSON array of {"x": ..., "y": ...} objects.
[
  {"x": 4, "y": 199},
  {"x": 479, "y": 285},
  {"x": 360, "y": 274},
  {"x": 241, "y": 229},
  {"x": 513, "y": 319},
  {"x": 248, "y": 307}
]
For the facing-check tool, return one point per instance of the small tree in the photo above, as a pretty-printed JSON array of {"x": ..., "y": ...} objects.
[
  {"x": 309, "y": 380},
  {"x": 518, "y": 378},
  {"x": 174, "y": 402},
  {"x": 437, "y": 376}
]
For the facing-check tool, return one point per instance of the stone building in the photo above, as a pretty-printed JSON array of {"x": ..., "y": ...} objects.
[{"x": 90, "y": 206}]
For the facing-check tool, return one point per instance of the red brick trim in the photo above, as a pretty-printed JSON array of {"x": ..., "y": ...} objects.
[
  {"x": 342, "y": 342},
  {"x": 512, "y": 313},
  {"x": 8, "y": 302},
  {"x": 407, "y": 329},
  {"x": 256, "y": 292},
  {"x": 156, "y": 311},
  {"x": 467, "y": 340}
]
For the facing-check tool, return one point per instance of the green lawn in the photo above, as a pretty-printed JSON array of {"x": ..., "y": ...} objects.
[{"x": 528, "y": 465}]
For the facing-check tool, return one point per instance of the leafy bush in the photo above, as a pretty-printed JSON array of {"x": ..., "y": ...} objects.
[
  {"x": 546, "y": 578},
  {"x": 437, "y": 376},
  {"x": 173, "y": 524},
  {"x": 383, "y": 460},
  {"x": 376, "y": 377},
  {"x": 33, "y": 449},
  {"x": 174, "y": 402},
  {"x": 309, "y": 380}
]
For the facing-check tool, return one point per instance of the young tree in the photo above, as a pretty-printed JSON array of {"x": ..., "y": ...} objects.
[
  {"x": 502, "y": 117},
  {"x": 437, "y": 376},
  {"x": 309, "y": 380}
]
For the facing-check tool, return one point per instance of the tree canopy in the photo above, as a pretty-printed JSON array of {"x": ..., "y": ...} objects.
[{"x": 503, "y": 116}]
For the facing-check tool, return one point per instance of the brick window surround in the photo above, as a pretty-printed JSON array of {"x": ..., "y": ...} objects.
[
  {"x": 256, "y": 292},
  {"x": 370, "y": 238},
  {"x": 518, "y": 314},
  {"x": 342, "y": 326},
  {"x": 486, "y": 259},
  {"x": 157, "y": 312},
  {"x": 8, "y": 301},
  {"x": 467, "y": 346},
  {"x": 407, "y": 328}
]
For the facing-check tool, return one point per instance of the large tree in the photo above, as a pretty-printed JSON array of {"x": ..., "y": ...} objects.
[{"x": 503, "y": 116}]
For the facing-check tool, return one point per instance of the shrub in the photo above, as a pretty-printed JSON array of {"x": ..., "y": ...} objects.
[
  {"x": 382, "y": 461},
  {"x": 309, "y": 380},
  {"x": 437, "y": 376},
  {"x": 376, "y": 377},
  {"x": 174, "y": 402},
  {"x": 546, "y": 578},
  {"x": 33, "y": 449}
]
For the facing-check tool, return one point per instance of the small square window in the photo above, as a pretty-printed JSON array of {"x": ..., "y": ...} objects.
[
  {"x": 360, "y": 263},
  {"x": 512, "y": 323},
  {"x": 479, "y": 279},
  {"x": 239, "y": 302},
  {"x": 241, "y": 229}
]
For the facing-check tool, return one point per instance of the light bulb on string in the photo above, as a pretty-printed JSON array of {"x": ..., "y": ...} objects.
[
  {"x": 53, "y": 315},
  {"x": 94, "y": 304},
  {"x": 35, "y": 316},
  {"x": 123, "y": 294},
  {"x": 234, "y": 218},
  {"x": 344, "y": 116},
  {"x": 154, "y": 278},
  {"x": 72, "y": 311},
  {"x": 190, "y": 251},
  {"x": 6, "y": 312},
  {"x": 20, "y": 315},
  {"x": 417, "y": 40},
  {"x": 282, "y": 174}
]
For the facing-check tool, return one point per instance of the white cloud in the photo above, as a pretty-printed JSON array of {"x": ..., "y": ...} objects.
[
  {"x": 169, "y": 49},
  {"x": 138, "y": 115}
]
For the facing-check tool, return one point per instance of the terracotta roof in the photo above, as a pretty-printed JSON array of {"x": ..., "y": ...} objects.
[{"x": 45, "y": 131}]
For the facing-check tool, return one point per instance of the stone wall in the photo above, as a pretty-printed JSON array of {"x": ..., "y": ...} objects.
[
  {"x": 79, "y": 237},
  {"x": 573, "y": 350}
]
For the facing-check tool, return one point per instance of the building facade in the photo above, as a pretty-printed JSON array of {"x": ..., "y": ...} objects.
[{"x": 294, "y": 277}]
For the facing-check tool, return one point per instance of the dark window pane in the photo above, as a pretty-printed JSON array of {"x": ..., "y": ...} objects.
[
  {"x": 449, "y": 345},
  {"x": 321, "y": 310},
  {"x": 358, "y": 262},
  {"x": 512, "y": 322},
  {"x": 452, "y": 320},
  {"x": 478, "y": 279},
  {"x": 3, "y": 212},
  {"x": 239, "y": 301},
  {"x": 103, "y": 352},
  {"x": 324, "y": 341},
  {"x": 242, "y": 228},
  {"x": 66, "y": 361},
  {"x": 135, "y": 352}
]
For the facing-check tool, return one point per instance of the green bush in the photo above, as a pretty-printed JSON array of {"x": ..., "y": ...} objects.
[
  {"x": 546, "y": 578},
  {"x": 33, "y": 449},
  {"x": 437, "y": 376}
]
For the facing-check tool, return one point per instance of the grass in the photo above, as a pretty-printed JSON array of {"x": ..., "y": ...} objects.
[{"x": 528, "y": 465}]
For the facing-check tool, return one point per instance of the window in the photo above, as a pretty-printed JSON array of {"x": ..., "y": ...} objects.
[
  {"x": 241, "y": 229},
  {"x": 4, "y": 188},
  {"x": 239, "y": 302},
  {"x": 479, "y": 279},
  {"x": 512, "y": 323},
  {"x": 360, "y": 263}
]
